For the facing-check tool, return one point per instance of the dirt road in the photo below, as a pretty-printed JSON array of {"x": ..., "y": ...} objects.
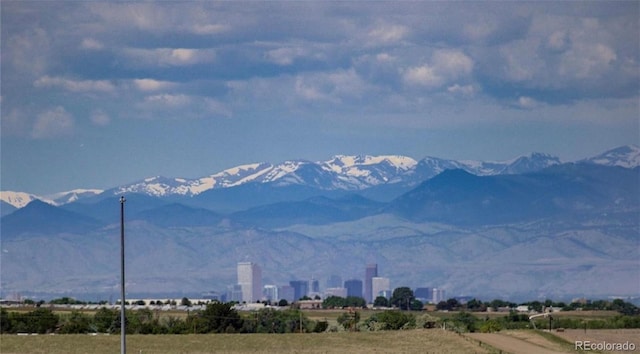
[{"x": 519, "y": 342}]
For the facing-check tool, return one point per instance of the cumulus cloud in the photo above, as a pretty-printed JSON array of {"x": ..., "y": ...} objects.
[
  {"x": 75, "y": 85},
  {"x": 445, "y": 66},
  {"x": 166, "y": 99},
  {"x": 464, "y": 90},
  {"x": 334, "y": 86},
  {"x": 151, "y": 84},
  {"x": 100, "y": 118},
  {"x": 53, "y": 123},
  {"x": 91, "y": 44},
  {"x": 169, "y": 56},
  {"x": 387, "y": 34},
  {"x": 209, "y": 28},
  {"x": 285, "y": 56},
  {"x": 526, "y": 102}
]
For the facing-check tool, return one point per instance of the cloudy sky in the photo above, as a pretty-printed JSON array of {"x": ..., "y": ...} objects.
[{"x": 98, "y": 94}]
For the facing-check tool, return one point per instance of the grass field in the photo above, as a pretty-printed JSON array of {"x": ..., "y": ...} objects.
[{"x": 412, "y": 341}]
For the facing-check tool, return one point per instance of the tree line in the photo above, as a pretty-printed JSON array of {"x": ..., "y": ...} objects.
[{"x": 215, "y": 318}]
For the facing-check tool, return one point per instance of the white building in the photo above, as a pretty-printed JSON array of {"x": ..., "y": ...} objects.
[
  {"x": 271, "y": 293},
  {"x": 438, "y": 295},
  {"x": 380, "y": 286},
  {"x": 250, "y": 281}
]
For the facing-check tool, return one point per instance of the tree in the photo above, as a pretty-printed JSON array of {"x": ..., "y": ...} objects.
[
  {"x": 220, "y": 318},
  {"x": 349, "y": 320},
  {"x": 416, "y": 305},
  {"x": 77, "y": 322},
  {"x": 333, "y": 302},
  {"x": 185, "y": 302},
  {"x": 283, "y": 302},
  {"x": 380, "y": 301},
  {"x": 394, "y": 320},
  {"x": 402, "y": 297},
  {"x": 465, "y": 321}
]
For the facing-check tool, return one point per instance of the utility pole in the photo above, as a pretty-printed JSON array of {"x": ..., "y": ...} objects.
[{"x": 123, "y": 327}]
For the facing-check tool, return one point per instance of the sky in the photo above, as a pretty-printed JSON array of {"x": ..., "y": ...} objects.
[{"x": 100, "y": 94}]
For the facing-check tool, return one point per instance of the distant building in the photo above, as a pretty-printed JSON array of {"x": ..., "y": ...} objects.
[
  {"x": 438, "y": 295},
  {"x": 339, "y": 292},
  {"x": 250, "y": 280},
  {"x": 286, "y": 292},
  {"x": 270, "y": 292},
  {"x": 380, "y": 286},
  {"x": 300, "y": 289},
  {"x": 370, "y": 272},
  {"x": 310, "y": 304},
  {"x": 334, "y": 281},
  {"x": 354, "y": 287},
  {"x": 234, "y": 293},
  {"x": 423, "y": 294},
  {"x": 315, "y": 286}
]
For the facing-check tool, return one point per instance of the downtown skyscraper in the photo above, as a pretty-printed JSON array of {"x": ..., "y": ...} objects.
[
  {"x": 250, "y": 281},
  {"x": 370, "y": 273}
]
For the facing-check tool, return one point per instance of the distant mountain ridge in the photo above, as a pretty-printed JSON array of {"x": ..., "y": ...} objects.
[
  {"x": 341, "y": 172},
  {"x": 573, "y": 221}
]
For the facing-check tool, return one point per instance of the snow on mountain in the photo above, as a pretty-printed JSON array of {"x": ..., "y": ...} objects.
[
  {"x": 345, "y": 172},
  {"x": 72, "y": 195},
  {"x": 627, "y": 156},
  {"x": 20, "y": 199},
  {"x": 521, "y": 164}
]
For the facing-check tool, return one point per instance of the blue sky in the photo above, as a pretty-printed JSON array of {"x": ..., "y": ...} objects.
[{"x": 98, "y": 94}]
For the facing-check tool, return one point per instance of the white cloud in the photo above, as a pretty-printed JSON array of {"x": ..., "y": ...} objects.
[
  {"x": 285, "y": 56},
  {"x": 446, "y": 66},
  {"x": 209, "y": 28},
  {"x": 151, "y": 84},
  {"x": 527, "y": 102},
  {"x": 53, "y": 123},
  {"x": 424, "y": 75},
  {"x": 75, "y": 85},
  {"x": 91, "y": 44},
  {"x": 464, "y": 90},
  {"x": 387, "y": 34},
  {"x": 168, "y": 99},
  {"x": 586, "y": 60},
  {"x": 332, "y": 86},
  {"x": 100, "y": 118},
  {"x": 169, "y": 56}
]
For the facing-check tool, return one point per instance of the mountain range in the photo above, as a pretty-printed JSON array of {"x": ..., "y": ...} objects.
[{"x": 432, "y": 222}]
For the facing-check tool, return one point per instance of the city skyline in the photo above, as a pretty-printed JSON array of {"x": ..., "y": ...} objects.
[{"x": 250, "y": 277}]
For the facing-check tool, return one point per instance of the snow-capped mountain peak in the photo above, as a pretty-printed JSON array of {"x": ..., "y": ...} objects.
[
  {"x": 20, "y": 199},
  {"x": 72, "y": 195},
  {"x": 627, "y": 156}
]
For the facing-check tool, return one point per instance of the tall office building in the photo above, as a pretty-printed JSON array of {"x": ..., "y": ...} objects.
[
  {"x": 380, "y": 287},
  {"x": 250, "y": 281},
  {"x": 438, "y": 295},
  {"x": 271, "y": 293},
  {"x": 300, "y": 288},
  {"x": 354, "y": 287},
  {"x": 370, "y": 272}
]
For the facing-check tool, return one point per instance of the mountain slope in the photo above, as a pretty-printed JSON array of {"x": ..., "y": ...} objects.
[
  {"x": 458, "y": 197},
  {"x": 624, "y": 156},
  {"x": 39, "y": 217},
  {"x": 178, "y": 215}
]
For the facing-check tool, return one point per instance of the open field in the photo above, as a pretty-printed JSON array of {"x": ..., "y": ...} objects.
[
  {"x": 412, "y": 341},
  {"x": 542, "y": 342},
  {"x": 604, "y": 335}
]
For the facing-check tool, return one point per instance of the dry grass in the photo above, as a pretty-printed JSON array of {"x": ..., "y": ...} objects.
[{"x": 413, "y": 341}]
